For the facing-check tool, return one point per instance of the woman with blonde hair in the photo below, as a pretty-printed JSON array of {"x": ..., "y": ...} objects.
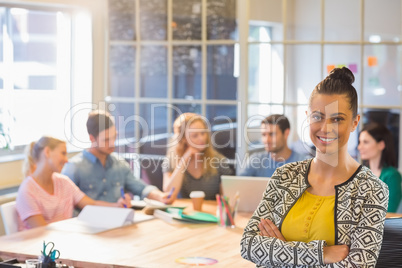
[
  {"x": 45, "y": 195},
  {"x": 192, "y": 163}
]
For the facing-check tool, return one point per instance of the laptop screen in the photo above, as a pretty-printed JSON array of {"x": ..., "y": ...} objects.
[{"x": 250, "y": 190}]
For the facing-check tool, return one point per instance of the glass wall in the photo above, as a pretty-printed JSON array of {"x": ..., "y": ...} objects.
[
  {"x": 170, "y": 57},
  {"x": 317, "y": 36},
  {"x": 167, "y": 57}
]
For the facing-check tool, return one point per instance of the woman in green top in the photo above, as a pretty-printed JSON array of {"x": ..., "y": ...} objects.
[{"x": 377, "y": 151}]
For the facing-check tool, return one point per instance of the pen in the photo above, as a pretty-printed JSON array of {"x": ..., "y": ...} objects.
[
  {"x": 122, "y": 195},
  {"x": 171, "y": 192}
]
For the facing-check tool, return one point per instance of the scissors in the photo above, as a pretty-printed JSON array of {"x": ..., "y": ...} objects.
[{"x": 49, "y": 251}]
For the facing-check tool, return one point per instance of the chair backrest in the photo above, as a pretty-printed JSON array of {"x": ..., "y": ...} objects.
[
  {"x": 10, "y": 217},
  {"x": 391, "y": 249},
  {"x": 151, "y": 171}
]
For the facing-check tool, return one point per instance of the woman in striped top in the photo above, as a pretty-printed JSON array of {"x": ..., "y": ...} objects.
[{"x": 45, "y": 195}]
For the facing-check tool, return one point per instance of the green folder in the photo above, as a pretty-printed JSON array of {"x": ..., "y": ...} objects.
[{"x": 195, "y": 217}]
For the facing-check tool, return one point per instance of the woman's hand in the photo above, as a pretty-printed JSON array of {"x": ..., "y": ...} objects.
[
  {"x": 268, "y": 228},
  {"x": 335, "y": 253},
  {"x": 183, "y": 162},
  {"x": 163, "y": 197},
  {"x": 189, "y": 153},
  {"x": 167, "y": 198}
]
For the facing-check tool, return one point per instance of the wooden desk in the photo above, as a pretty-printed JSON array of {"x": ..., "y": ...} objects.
[
  {"x": 392, "y": 215},
  {"x": 153, "y": 243}
]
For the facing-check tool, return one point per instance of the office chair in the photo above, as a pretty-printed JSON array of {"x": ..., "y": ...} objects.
[
  {"x": 391, "y": 250},
  {"x": 10, "y": 217}
]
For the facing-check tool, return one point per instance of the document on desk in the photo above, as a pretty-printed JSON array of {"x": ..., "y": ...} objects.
[{"x": 96, "y": 219}]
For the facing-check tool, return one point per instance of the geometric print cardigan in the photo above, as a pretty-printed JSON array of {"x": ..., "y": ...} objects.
[{"x": 360, "y": 207}]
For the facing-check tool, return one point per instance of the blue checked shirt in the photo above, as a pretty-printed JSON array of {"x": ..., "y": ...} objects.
[{"x": 104, "y": 182}]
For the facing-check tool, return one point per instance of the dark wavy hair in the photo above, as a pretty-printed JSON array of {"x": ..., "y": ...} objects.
[
  {"x": 338, "y": 81},
  {"x": 381, "y": 133}
]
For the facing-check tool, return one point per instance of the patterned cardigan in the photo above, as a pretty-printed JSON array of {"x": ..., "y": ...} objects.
[{"x": 360, "y": 208}]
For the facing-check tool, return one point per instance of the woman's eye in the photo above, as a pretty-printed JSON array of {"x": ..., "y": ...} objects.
[
  {"x": 337, "y": 119},
  {"x": 316, "y": 117}
]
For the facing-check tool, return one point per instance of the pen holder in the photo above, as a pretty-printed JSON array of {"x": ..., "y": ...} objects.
[
  {"x": 47, "y": 262},
  {"x": 224, "y": 212},
  {"x": 49, "y": 255}
]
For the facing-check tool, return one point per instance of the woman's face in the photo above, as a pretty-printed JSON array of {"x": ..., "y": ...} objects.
[
  {"x": 58, "y": 157},
  {"x": 331, "y": 122},
  {"x": 197, "y": 135},
  {"x": 368, "y": 147}
]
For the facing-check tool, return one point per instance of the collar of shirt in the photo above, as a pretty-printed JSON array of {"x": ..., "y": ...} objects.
[{"x": 91, "y": 157}]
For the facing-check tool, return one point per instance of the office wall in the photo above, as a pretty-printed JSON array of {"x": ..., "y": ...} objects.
[{"x": 266, "y": 10}]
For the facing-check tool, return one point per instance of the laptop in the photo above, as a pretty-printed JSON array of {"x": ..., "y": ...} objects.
[{"x": 250, "y": 190}]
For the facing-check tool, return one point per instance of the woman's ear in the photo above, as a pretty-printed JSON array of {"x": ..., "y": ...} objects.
[
  {"x": 46, "y": 151},
  {"x": 356, "y": 121},
  {"x": 381, "y": 145},
  {"x": 307, "y": 117}
]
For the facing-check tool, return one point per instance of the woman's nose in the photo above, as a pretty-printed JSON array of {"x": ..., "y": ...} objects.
[{"x": 327, "y": 126}]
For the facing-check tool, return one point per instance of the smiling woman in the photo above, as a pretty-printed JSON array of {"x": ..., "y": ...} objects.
[
  {"x": 45, "y": 195},
  {"x": 331, "y": 123},
  {"x": 334, "y": 201}
]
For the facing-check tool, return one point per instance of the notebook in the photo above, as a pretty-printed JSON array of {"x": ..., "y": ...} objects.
[
  {"x": 250, "y": 190},
  {"x": 96, "y": 219}
]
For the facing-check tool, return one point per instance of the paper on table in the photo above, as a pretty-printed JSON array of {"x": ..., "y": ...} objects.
[
  {"x": 95, "y": 219},
  {"x": 106, "y": 217},
  {"x": 155, "y": 204},
  {"x": 168, "y": 217},
  {"x": 159, "y": 205}
]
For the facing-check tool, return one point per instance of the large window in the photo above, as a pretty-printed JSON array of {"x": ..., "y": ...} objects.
[{"x": 40, "y": 78}]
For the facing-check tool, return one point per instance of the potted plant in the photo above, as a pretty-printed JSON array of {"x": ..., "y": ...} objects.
[{"x": 5, "y": 139}]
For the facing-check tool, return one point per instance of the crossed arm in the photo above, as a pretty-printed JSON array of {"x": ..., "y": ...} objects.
[{"x": 263, "y": 243}]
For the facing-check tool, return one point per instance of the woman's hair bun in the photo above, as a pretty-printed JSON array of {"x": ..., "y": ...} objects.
[{"x": 343, "y": 74}]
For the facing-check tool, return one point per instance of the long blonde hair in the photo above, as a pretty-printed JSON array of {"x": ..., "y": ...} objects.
[
  {"x": 33, "y": 151},
  {"x": 179, "y": 141}
]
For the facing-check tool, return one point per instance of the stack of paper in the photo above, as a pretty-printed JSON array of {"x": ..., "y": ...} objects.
[
  {"x": 152, "y": 205},
  {"x": 95, "y": 219}
]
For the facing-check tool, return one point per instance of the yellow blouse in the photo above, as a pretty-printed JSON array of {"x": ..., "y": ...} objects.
[{"x": 311, "y": 218}]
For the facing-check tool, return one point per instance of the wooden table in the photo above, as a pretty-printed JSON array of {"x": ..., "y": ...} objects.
[
  {"x": 393, "y": 215},
  {"x": 153, "y": 243}
]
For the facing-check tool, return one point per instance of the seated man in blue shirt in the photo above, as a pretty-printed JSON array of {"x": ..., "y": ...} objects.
[
  {"x": 275, "y": 130},
  {"x": 100, "y": 173}
]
